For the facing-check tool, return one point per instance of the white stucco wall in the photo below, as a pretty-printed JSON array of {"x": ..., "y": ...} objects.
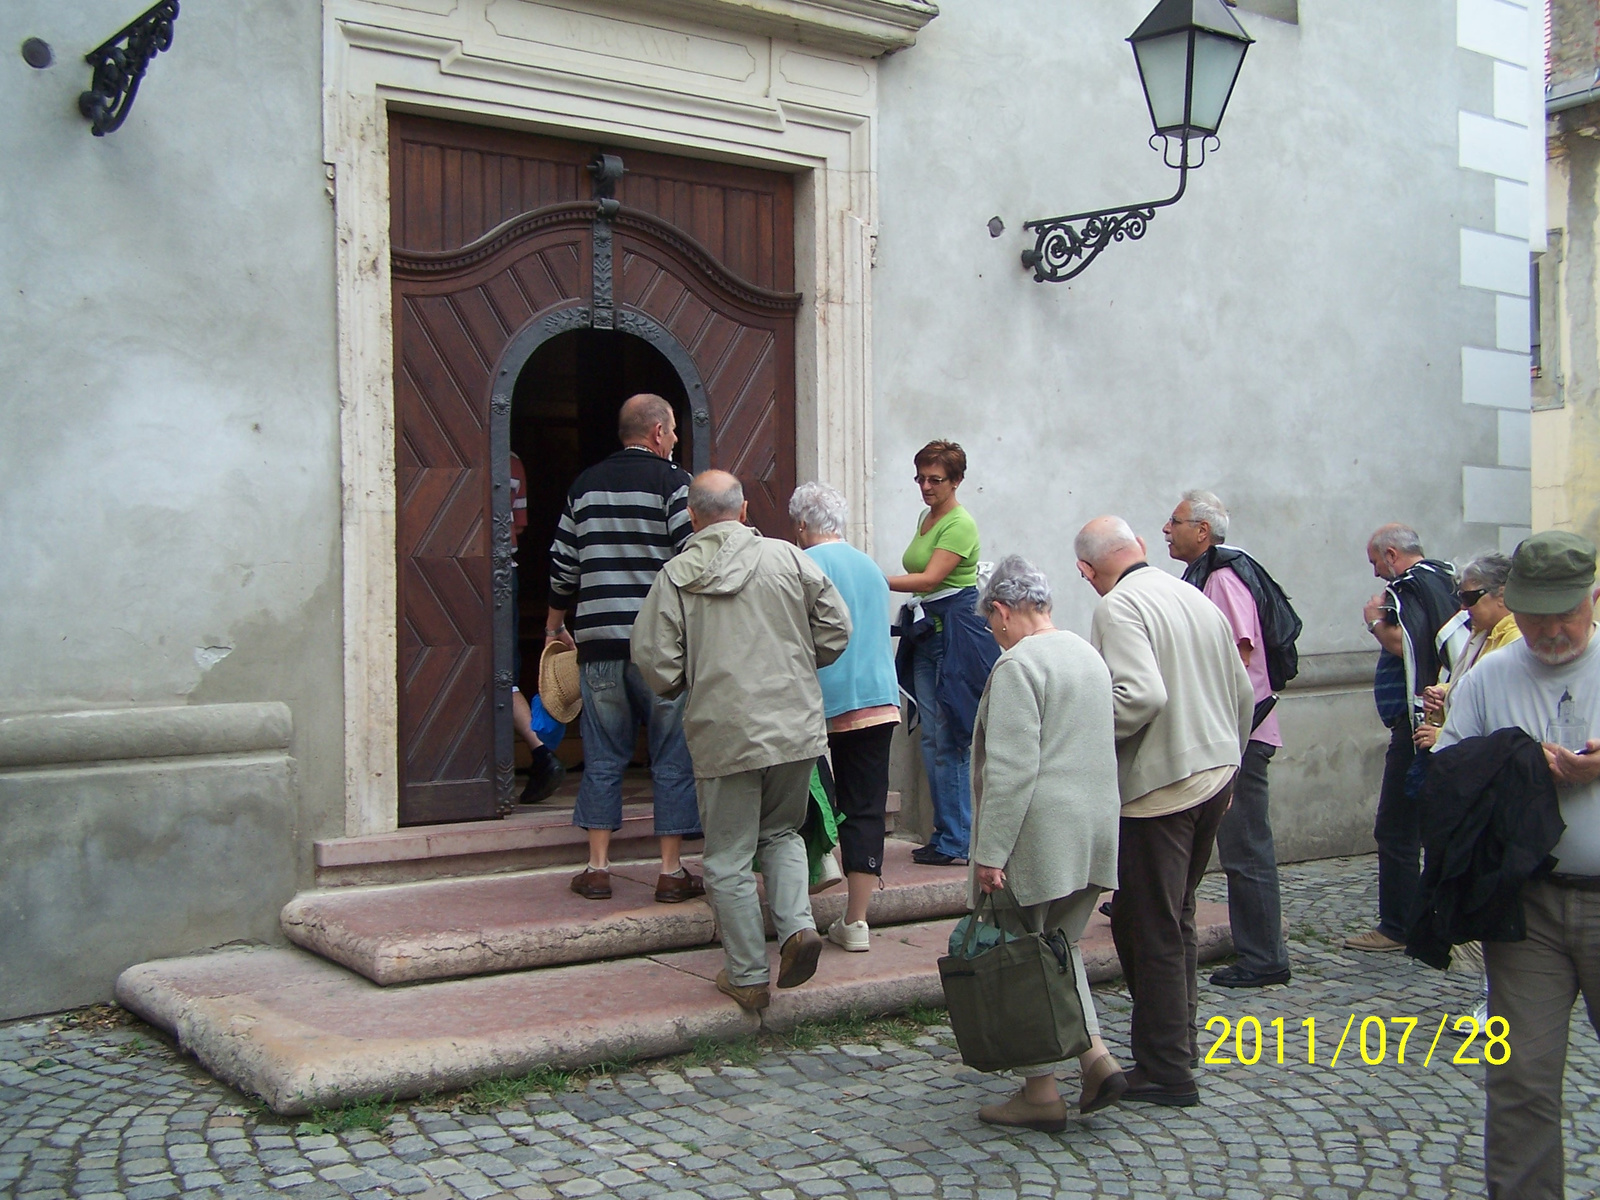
[
  {"x": 1287, "y": 335},
  {"x": 169, "y": 513}
]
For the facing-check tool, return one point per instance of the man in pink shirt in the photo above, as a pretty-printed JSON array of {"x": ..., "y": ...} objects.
[{"x": 1244, "y": 840}]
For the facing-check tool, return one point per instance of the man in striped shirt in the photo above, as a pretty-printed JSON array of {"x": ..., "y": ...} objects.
[{"x": 624, "y": 518}]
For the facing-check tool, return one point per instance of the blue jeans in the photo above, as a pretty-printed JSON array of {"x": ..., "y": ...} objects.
[
  {"x": 615, "y": 703},
  {"x": 946, "y": 756}
]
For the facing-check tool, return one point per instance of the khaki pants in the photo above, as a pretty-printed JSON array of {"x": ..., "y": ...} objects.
[
  {"x": 1533, "y": 984},
  {"x": 750, "y": 814}
]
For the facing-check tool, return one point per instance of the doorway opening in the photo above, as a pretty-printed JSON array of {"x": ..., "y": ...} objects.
[{"x": 564, "y": 411}]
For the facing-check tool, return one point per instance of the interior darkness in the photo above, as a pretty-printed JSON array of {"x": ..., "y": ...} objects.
[{"x": 564, "y": 419}]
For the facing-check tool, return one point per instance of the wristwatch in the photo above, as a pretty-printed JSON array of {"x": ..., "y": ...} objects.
[
  {"x": 556, "y": 632},
  {"x": 1372, "y": 626}
]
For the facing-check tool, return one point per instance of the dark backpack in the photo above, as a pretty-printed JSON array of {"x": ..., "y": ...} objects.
[{"x": 1280, "y": 624}]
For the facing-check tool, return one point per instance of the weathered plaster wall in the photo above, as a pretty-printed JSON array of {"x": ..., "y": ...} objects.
[
  {"x": 1288, "y": 335},
  {"x": 137, "y": 834},
  {"x": 1566, "y": 420},
  {"x": 169, "y": 514}
]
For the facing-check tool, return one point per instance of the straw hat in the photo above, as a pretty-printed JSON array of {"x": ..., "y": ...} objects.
[{"x": 558, "y": 681}]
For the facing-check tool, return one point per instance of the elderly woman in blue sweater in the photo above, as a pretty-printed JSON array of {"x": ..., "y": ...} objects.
[
  {"x": 1045, "y": 807},
  {"x": 860, "y": 699}
]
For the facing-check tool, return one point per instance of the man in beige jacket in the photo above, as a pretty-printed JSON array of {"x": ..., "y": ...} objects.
[
  {"x": 741, "y": 623},
  {"x": 1182, "y": 707}
]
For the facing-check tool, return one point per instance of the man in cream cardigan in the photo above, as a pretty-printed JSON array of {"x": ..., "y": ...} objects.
[{"x": 1182, "y": 707}]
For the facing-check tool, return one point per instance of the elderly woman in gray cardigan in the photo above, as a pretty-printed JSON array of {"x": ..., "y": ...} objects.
[{"x": 1045, "y": 806}]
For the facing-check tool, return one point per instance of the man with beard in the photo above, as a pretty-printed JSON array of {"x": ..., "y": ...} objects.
[{"x": 1548, "y": 685}]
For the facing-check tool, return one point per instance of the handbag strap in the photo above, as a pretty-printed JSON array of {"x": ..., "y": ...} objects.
[{"x": 987, "y": 898}]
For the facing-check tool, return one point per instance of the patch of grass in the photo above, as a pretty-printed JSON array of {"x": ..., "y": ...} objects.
[
  {"x": 365, "y": 1114},
  {"x": 711, "y": 1052},
  {"x": 505, "y": 1091},
  {"x": 862, "y": 1028}
]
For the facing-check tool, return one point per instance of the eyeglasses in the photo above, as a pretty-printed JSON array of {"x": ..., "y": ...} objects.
[
  {"x": 1183, "y": 521},
  {"x": 1469, "y": 598},
  {"x": 931, "y": 480}
]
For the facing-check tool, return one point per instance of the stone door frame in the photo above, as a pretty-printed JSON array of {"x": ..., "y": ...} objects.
[{"x": 588, "y": 70}]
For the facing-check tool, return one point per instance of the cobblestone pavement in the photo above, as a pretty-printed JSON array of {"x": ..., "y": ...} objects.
[{"x": 96, "y": 1109}]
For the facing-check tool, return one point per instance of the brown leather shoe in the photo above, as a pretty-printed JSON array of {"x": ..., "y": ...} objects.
[
  {"x": 592, "y": 884},
  {"x": 675, "y": 889},
  {"x": 798, "y": 962},
  {"x": 1024, "y": 1114},
  {"x": 1103, "y": 1084},
  {"x": 751, "y": 999}
]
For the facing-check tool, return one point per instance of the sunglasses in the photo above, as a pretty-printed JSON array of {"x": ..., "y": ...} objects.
[
  {"x": 931, "y": 480},
  {"x": 1469, "y": 598}
]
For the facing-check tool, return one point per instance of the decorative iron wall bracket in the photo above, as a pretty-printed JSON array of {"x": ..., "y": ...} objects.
[
  {"x": 119, "y": 64},
  {"x": 1065, "y": 246}
]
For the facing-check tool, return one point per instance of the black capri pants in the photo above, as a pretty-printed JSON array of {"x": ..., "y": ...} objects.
[{"x": 861, "y": 780}]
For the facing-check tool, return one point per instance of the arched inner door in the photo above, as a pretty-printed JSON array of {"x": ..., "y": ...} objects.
[{"x": 475, "y": 300}]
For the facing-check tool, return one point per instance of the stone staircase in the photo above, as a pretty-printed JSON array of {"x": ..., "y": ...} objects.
[{"x": 397, "y": 989}]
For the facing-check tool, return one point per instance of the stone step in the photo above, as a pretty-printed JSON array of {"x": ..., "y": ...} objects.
[
  {"x": 303, "y": 1033},
  {"x": 533, "y": 836},
  {"x": 439, "y": 930}
]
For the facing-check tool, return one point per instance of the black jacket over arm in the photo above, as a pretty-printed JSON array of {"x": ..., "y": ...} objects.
[{"x": 1490, "y": 818}]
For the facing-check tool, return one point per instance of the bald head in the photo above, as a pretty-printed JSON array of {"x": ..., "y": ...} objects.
[
  {"x": 647, "y": 422},
  {"x": 1106, "y": 547},
  {"x": 715, "y": 496},
  {"x": 640, "y": 414}
]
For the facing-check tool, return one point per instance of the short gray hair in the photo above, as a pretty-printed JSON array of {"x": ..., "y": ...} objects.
[
  {"x": 1204, "y": 506},
  {"x": 1489, "y": 571},
  {"x": 1016, "y": 583},
  {"x": 821, "y": 508},
  {"x": 715, "y": 505},
  {"x": 1401, "y": 538},
  {"x": 1093, "y": 547}
]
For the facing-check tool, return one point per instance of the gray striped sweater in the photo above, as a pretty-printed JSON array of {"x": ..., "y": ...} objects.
[{"x": 624, "y": 518}]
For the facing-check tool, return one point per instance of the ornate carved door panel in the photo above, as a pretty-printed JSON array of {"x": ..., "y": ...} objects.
[
  {"x": 495, "y": 252},
  {"x": 454, "y": 315}
]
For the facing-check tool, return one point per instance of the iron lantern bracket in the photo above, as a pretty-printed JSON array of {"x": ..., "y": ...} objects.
[
  {"x": 1065, "y": 246},
  {"x": 119, "y": 64}
]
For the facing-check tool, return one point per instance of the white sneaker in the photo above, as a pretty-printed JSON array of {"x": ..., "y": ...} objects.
[
  {"x": 830, "y": 874},
  {"x": 852, "y": 935}
]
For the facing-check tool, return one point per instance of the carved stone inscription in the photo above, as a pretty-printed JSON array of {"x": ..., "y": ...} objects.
[{"x": 588, "y": 33}]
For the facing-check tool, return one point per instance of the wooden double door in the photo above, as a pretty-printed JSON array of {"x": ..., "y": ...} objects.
[{"x": 503, "y": 242}]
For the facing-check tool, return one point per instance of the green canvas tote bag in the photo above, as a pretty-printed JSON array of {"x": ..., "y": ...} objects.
[{"x": 1014, "y": 1004}]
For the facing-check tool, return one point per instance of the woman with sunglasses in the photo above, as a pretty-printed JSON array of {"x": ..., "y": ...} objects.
[
  {"x": 1482, "y": 596},
  {"x": 946, "y": 649}
]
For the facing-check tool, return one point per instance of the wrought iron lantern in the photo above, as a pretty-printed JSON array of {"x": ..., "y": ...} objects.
[{"x": 1189, "y": 53}]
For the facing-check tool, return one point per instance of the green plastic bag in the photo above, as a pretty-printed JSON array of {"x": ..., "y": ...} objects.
[{"x": 821, "y": 830}]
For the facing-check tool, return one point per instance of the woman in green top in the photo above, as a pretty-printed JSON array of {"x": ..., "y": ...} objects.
[{"x": 942, "y": 567}]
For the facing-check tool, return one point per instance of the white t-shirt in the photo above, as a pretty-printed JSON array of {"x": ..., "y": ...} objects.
[{"x": 1513, "y": 688}]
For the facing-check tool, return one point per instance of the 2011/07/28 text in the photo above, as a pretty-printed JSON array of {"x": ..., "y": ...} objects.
[{"x": 1251, "y": 1039}]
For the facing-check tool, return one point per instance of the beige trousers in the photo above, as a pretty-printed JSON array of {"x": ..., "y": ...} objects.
[
  {"x": 748, "y": 815},
  {"x": 1533, "y": 984}
]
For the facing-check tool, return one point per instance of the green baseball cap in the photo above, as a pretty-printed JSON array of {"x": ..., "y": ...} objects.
[{"x": 1551, "y": 573}]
